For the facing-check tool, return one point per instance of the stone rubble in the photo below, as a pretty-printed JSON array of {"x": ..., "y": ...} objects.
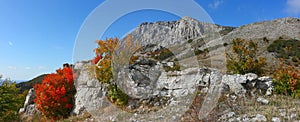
[{"x": 262, "y": 100}]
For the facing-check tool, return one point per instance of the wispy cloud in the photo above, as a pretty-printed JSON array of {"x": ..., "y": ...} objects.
[
  {"x": 12, "y": 67},
  {"x": 28, "y": 68},
  {"x": 41, "y": 67},
  {"x": 216, "y": 4},
  {"x": 293, "y": 7},
  {"x": 10, "y": 43}
]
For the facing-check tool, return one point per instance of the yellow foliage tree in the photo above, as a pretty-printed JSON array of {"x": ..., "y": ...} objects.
[
  {"x": 243, "y": 58},
  {"x": 114, "y": 54},
  {"x": 105, "y": 49}
]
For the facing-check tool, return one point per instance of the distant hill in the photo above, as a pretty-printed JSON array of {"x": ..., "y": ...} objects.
[{"x": 29, "y": 84}]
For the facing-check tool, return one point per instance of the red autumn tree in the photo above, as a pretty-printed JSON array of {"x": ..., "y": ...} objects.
[{"x": 55, "y": 95}]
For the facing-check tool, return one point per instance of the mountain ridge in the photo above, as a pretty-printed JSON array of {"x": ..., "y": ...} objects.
[
  {"x": 210, "y": 36},
  {"x": 172, "y": 32},
  {"x": 190, "y": 28},
  {"x": 176, "y": 32}
]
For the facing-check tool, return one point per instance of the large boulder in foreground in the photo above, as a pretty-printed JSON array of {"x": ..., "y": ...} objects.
[{"x": 145, "y": 80}]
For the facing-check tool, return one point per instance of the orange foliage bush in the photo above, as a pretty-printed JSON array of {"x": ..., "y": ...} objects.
[
  {"x": 287, "y": 80},
  {"x": 55, "y": 95}
]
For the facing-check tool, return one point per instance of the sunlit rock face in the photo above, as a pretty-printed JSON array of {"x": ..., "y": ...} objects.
[
  {"x": 174, "y": 32},
  {"x": 90, "y": 93}
]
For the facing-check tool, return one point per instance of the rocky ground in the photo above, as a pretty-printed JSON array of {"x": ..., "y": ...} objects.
[{"x": 275, "y": 108}]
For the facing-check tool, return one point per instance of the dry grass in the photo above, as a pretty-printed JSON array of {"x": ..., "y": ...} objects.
[
  {"x": 283, "y": 107},
  {"x": 279, "y": 106}
]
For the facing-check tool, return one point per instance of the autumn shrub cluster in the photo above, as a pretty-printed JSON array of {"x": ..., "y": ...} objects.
[
  {"x": 55, "y": 95},
  {"x": 243, "y": 58},
  {"x": 287, "y": 81},
  {"x": 10, "y": 101}
]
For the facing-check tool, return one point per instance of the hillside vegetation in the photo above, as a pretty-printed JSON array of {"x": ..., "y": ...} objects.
[
  {"x": 23, "y": 86},
  {"x": 10, "y": 101},
  {"x": 288, "y": 49}
]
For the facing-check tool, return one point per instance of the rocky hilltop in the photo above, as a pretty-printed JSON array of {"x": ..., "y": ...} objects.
[
  {"x": 174, "y": 32},
  {"x": 187, "y": 35},
  {"x": 189, "y": 28}
]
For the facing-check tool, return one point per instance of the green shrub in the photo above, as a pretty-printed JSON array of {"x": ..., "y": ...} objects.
[
  {"x": 225, "y": 44},
  {"x": 298, "y": 55},
  {"x": 197, "y": 51},
  {"x": 117, "y": 96},
  {"x": 176, "y": 67},
  {"x": 265, "y": 39},
  {"x": 190, "y": 41},
  {"x": 163, "y": 54},
  {"x": 285, "y": 48},
  {"x": 206, "y": 50},
  {"x": 10, "y": 101},
  {"x": 294, "y": 59},
  {"x": 244, "y": 58}
]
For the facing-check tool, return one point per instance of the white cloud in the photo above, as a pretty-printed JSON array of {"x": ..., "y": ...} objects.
[
  {"x": 216, "y": 4},
  {"x": 10, "y": 43},
  {"x": 27, "y": 67},
  {"x": 41, "y": 67},
  {"x": 12, "y": 67},
  {"x": 293, "y": 7}
]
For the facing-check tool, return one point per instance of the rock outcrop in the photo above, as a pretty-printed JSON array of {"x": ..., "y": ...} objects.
[
  {"x": 149, "y": 80},
  {"x": 29, "y": 106},
  {"x": 174, "y": 32},
  {"x": 90, "y": 93},
  {"x": 248, "y": 83}
]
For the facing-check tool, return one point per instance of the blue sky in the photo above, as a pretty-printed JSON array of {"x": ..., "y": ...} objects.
[{"x": 37, "y": 36}]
